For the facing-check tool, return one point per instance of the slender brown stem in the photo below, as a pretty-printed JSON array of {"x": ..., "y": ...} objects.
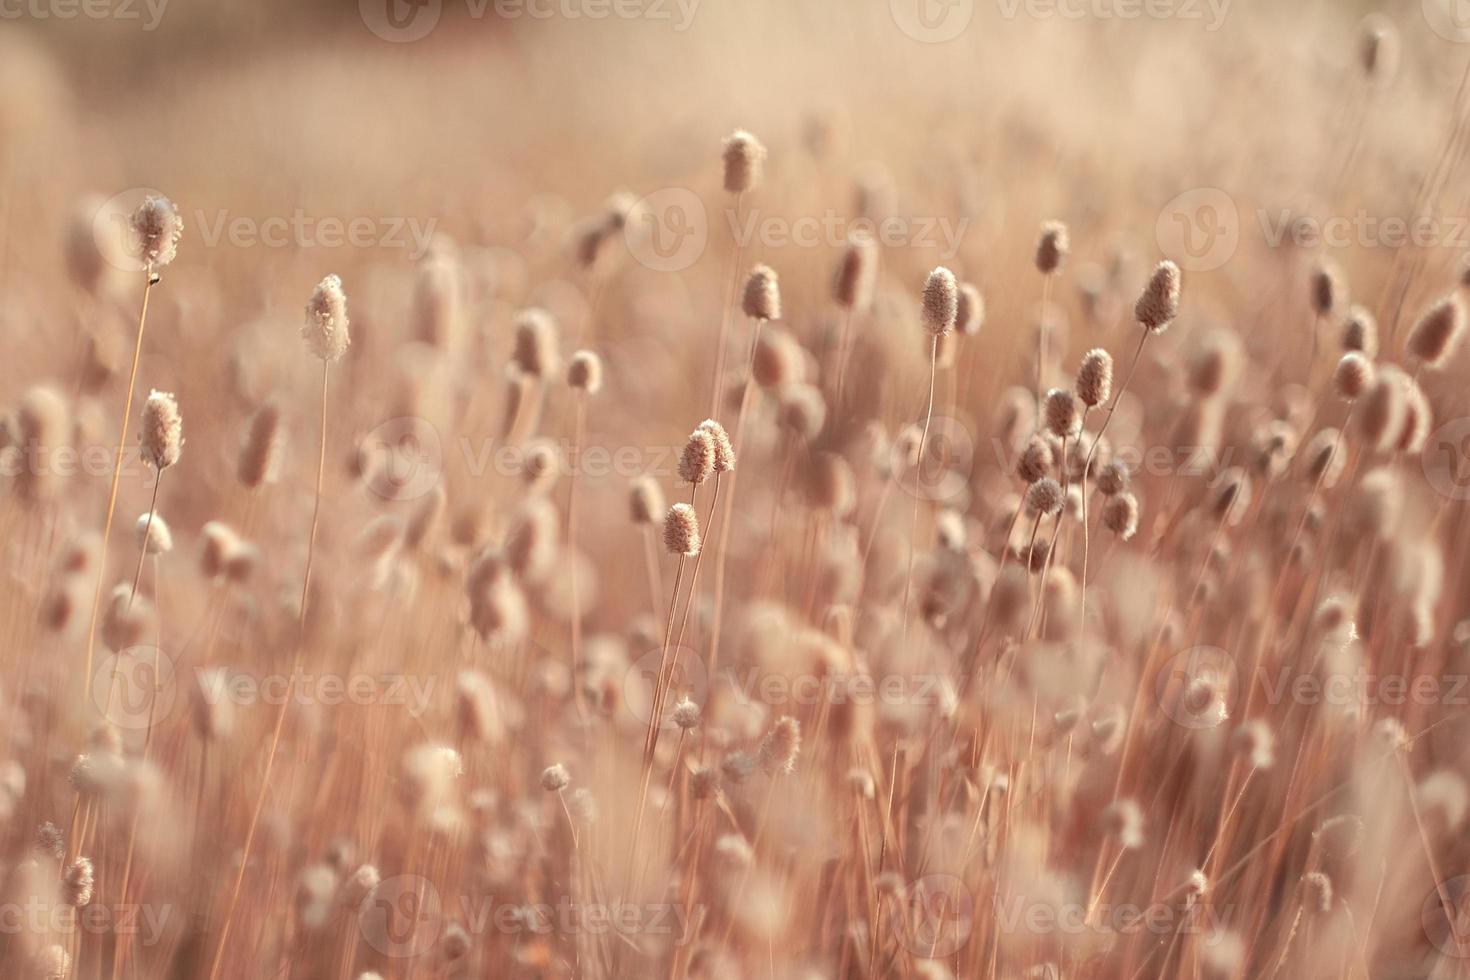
[
  {"x": 122, "y": 443},
  {"x": 270, "y": 759}
]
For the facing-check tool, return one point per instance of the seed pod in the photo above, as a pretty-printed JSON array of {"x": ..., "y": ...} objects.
[
  {"x": 157, "y": 228},
  {"x": 1158, "y": 305},
  {"x": 1360, "y": 332},
  {"x": 1052, "y": 247},
  {"x": 745, "y": 158},
  {"x": 681, "y": 531},
  {"x": 584, "y": 372},
  {"x": 941, "y": 302},
  {"x": 536, "y": 353},
  {"x": 697, "y": 461},
  {"x": 1120, "y": 514},
  {"x": 1434, "y": 338},
  {"x": 326, "y": 327},
  {"x": 1353, "y": 375},
  {"x": 646, "y": 501},
  {"x": 856, "y": 273},
  {"x": 762, "y": 297},
  {"x": 161, "y": 434},
  {"x": 970, "y": 313},
  {"x": 1036, "y": 460},
  {"x": 1095, "y": 377},
  {"x": 724, "y": 450},
  {"x": 260, "y": 452},
  {"x": 1060, "y": 410}
]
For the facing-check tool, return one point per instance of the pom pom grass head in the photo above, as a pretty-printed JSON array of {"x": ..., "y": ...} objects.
[
  {"x": 1158, "y": 304},
  {"x": 161, "y": 434},
  {"x": 157, "y": 227},
  {"x": 326, "y": 327},
  {"x": 745, "y": 158}
]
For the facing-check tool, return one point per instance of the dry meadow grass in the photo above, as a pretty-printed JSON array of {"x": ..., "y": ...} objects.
[{"x": 732, "y": 490}]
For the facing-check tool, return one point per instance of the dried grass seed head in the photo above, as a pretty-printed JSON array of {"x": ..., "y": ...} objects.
[
  {"x": 970, "y": 311},
  {"x": 646, "y": 501},
  {"x": 724, "y": 449},
  {"x": 536, "y": 349},
  {"x": 1095, "y": 377},
  {"x": 326, "y": 328},
  {"x": 1036, "y": 460},
  {"x": 697, "y": 460},
  {"x": 940, "y": 302},
  {"x": 1113, "y": 478},
  {"x": 1060, "y": 411},
  {"x": 1360, "y": 332},
  {"x": 1044, "y": 497},
  {"x": 584, "y": 372},
  {"x": 681, "y": 531},
  {"x": 857, "y": 272},
  {"x": 1158, "y": 305},
  {"x": 1329, "y": 292},
  {"x": 762, "y": 297},
  {"x": 157, "y": 228},
  {"x": 1052, "y": 247},
  {"x": 1353, "y": 376},
  {"x": 745, "y": 158},
  {"x": 1437, "y": 334},
  {"x": 153, "y": 534},
  {"x": 780, "y": 747},
  {"x": 1120, "y": 514},
  {"x": 161, "y": 435},
  {"x": 260, "y": 451}
]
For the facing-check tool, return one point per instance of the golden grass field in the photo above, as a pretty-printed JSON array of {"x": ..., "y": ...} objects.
[{"x": 690, "y": 489}]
